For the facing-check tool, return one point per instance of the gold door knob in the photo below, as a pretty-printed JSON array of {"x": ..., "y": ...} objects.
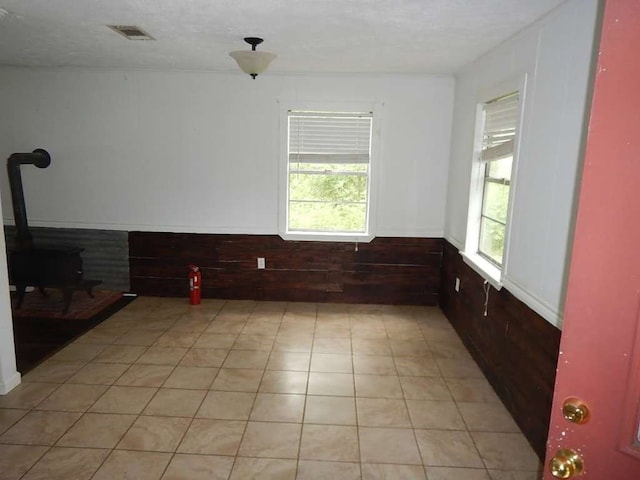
[
  {"x": 575, "y": 410},
  {"x": 566, "y": 464}
]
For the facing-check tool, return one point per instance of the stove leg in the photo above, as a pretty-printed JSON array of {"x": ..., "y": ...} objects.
[{"x": 67, "y": 294}]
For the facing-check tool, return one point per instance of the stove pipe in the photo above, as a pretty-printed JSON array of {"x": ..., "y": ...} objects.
[{"x": 41, "y": 159}]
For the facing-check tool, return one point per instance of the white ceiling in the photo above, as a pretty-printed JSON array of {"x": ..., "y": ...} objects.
[{"x": 319, "y": 36}]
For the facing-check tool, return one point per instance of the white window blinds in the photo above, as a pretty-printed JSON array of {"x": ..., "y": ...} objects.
[
  {"x": 329, "y": 138},
  {"x": 500, "y": 121}
]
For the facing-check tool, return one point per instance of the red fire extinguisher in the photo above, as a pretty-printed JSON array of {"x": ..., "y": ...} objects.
[{"x": 195, "y": 281}]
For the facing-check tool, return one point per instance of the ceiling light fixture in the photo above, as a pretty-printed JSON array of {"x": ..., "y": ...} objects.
[{"x": 252, "y": 61}]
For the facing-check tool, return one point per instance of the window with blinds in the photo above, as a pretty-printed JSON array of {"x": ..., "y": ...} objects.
[
  {"x": 328, "y": 172},
  {"x": 498, "y": 140}
]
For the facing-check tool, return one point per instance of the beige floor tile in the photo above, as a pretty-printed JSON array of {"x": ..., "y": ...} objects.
[
  {"x": 173, "y": 402},
  {"x": 425, "y": 388},
  {"x": 159, "y": 434},
  {"x": 278, "y": 407},
  {"x": 459, "y": 368},
  {"x": 238, "y": 380},
  {"x": 27, "y": 395},
  {"x": 52, "y": 372},
  {"x": 176, "y": 339},
  {"x": 101, "y": 336},
  {"x": 99, "y": 373},
  {"x": 449, "y": 349},
  {"x": 505, "y": 451},
  {"x": 139, "y": 337},
  {"x": 145, "y": 375},
  {"x": 196, "y": 378},
  {"x": 162, "y": 356},
  {"x": 331, "y": 384},
  {"x": 97, "y": 430},
  {"x": 225, "y": 326},
  {"x": 332, "y": 330},
  {"x": 213, "y": 437},
  {"x": 252, "y": 359},
  {"x": 448, "y": 449},
  {"x": 124, "y": 400},
  {"x": 198, "y": 467},
  {"x": 409, "y": 348},
  {"x": 295, "y": 343},
  {"x": 378, "y": 386},
  {"x": 263, "y": 469},
  {"x": 330, "y": 410},
  {"x": 420, "y": 366},
  {"x": 204, "y": 357},
  {"x": 388, "y": 445},
  {"x": 8, "y": 418},
  {"x": 15, "y": 460},
  {"x": 191, "y": 325},
  {"x": 471, "y": 390},
  {"x": 382, "y": 412},
  {"x": 254, "y": 342},
  {"x": 67, "y": 463},
  {"x": 487, "y": 417},
  {"x": 296, "y": 361},
  {"x": 379, "y": 471},
  {"x": 514, "y": 475},
  {"x": 315, "y": 470},
  {"x": 215, "y": 340},
  {"x": 275, "y": 381},
  {"x": 125, "y": 465},
  {"x": 371, "y": 346},
  {"x": 329, "y": 442},
  {"x": 428, "y": 414},
  {"x": 72, "y": 397},
  {"x": 341, "y": 345},
  {"x": 120, "y": 354},
  {"x": 331, "y": 363},
  {"x": 374, "y": 364},
  {"x": 78, "y": 352},
  {"x": 40, "y": 428},
  {"x": 256, "y": 327},
  {"x": 445, "y": 473},
  {"x": 227, "y": 405},
  {"x": 271, "y": 440},
  {"x": 293, "y": 328}
]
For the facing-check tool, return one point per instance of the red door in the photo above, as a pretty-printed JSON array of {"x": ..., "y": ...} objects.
[{"x": 599, "y": 360}]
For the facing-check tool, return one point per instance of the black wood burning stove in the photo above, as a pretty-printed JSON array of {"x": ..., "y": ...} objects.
[{"x": 59, "y": 267}]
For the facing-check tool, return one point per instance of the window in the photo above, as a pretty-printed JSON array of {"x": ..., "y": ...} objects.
[
  {"x": 328, "y": 173},
  {"x": 498, "y": 139},
  {"x": 491, "y": 184}
]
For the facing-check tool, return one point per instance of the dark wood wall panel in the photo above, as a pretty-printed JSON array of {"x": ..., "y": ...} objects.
[
  {"x": 515, "y": 347},
  {"x": 386, "y": 270}
]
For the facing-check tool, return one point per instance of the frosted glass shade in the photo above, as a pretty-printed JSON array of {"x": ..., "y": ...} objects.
[{"x": 251, "y": 61}]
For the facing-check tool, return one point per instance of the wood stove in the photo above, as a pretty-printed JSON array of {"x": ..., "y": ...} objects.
[{"x": 50, "y": 267}]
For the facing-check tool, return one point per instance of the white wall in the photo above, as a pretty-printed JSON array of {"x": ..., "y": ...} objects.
[
  {"x": 198, "y": 152},
  {"x": 555, "y": 53}
]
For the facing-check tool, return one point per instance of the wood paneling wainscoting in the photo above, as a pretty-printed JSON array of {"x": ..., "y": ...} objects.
[
  {"x": 515, "y": 347},
  {"x": 387, "y": 270}
]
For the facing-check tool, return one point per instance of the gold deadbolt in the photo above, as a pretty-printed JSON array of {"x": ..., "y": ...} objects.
[
  {"x": 566, "y": 464},
  {"x": 575, "y": 411}
]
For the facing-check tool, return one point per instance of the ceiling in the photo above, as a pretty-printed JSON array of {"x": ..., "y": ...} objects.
[{"x": 309, "y": 36}]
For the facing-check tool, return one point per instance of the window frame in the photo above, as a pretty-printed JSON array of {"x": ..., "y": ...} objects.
[
  {"x": 488, "y": 269},
  {"x": 283, "y": 204}
]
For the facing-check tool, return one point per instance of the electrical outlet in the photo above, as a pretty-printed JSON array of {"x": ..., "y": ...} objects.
[
  {"x": 261, "y": 263},
  {"x": 457, "y": 287}
]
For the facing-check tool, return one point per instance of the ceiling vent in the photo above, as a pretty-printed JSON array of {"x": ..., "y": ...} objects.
[{"x": 131, "y": 32}]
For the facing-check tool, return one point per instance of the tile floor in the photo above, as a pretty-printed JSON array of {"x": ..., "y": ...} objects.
[{"x": 242, "y": 390}]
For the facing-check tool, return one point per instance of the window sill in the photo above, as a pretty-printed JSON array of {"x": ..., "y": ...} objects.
[
  {"x": 485, "y": 269},
  {"x": 327, "y": 237}
]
